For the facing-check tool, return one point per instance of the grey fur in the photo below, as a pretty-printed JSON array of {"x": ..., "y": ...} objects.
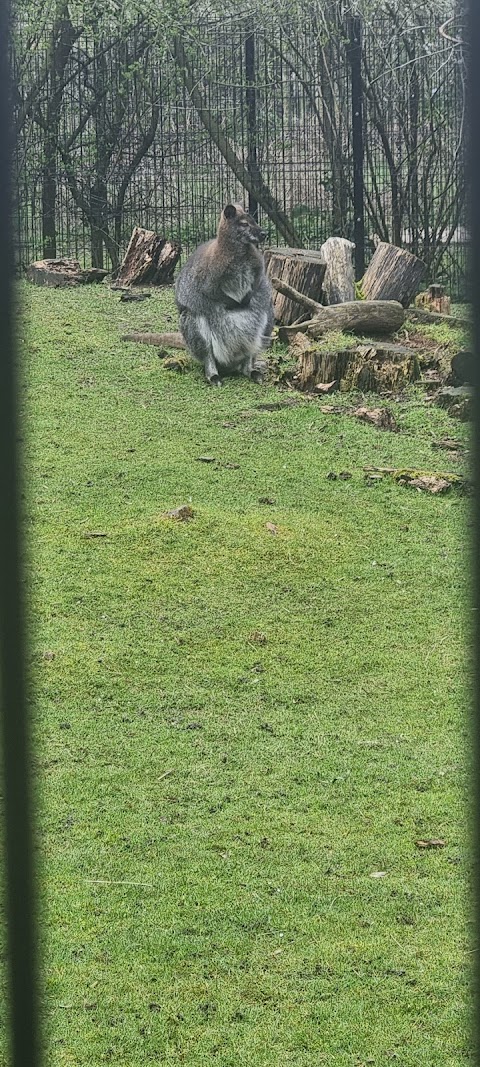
[{"x": 224, "y": 299}]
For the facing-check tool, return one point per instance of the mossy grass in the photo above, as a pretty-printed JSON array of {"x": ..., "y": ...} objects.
[{"x": 241, "y": 731}]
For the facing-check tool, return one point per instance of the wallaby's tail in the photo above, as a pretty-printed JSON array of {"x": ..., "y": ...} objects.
[{"x": 170, "y": 340}]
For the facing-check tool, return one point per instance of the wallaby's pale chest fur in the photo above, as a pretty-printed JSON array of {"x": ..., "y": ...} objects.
[{"x": 224, "y": 298}]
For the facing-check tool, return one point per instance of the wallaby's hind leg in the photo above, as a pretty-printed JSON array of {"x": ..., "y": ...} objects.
[
  {"x": 211, "y": 370},
  {"x": 259, "y": 370},
  {"x": 199, "y": 347}
]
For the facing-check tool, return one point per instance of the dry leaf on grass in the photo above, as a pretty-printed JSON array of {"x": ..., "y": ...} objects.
[
  {"x": 380, "y": 417},
  {"x": 431, "y": 842},
  {"x": 270, "y": 526},
  {"x": 326, "y": 387},
  {"x": 429, "y": 483},
  {"x": 258, "y": 637},
  {"x": 182, "y": 514}
]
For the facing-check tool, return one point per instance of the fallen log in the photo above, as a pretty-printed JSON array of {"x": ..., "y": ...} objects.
[
  {"x": 149, "y": 259},
  {"x": 339, "y": 280},
  {"x": 376, "y": 316},
  {"x": 302, "y": 271},
  {"x": 392, "y": 274},
  {"x": 62, "y": 272},
  {"x": 171, "y": 340},
  {"x": 357, "y": 316}
]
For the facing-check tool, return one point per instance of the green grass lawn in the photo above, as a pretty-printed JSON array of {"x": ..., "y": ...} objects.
[{"x": 237, "y": 730}]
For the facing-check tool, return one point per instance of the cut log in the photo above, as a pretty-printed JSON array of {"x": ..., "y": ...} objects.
[
  {"x": 171, "y": 340},
  {"x": 392, "y": 274},
  {"x": 370, "y": 368},
  {"x": 62, "y": 272},
  {"x": 434, "y": 299},
  {"x": 339, "y": 280},
  {"x": 303, "y": 271},
  {"x": 149, "y": 259},
  {"x": 359, "y": 316}
]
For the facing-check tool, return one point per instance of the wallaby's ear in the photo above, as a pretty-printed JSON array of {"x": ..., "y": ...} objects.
[{"x": 230, "y": 211}]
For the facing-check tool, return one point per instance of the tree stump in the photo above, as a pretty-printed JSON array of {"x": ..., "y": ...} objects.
[
  {"x": 392, "y": 274},
  {"x": 434, "y": 299},
  {"x": 339, "y": 281},
  {"x": 149, "y": 259},
  {"x": 369, "y": 368},
  {"x": 303, "y": 271},
  {"x": 457, "y": 401},
  {"x": 62, "y": 272}
]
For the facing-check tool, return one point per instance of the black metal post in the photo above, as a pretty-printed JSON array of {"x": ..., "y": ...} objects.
[
  {"x": 15, "y": 742},
  {"x": 251, "y": 97},
  {"x": 355, "y": 57}
]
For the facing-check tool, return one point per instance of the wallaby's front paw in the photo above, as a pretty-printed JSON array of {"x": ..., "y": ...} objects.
[
  {"x": 214, "y": 380},
  {"x": 257, "y": 377}
]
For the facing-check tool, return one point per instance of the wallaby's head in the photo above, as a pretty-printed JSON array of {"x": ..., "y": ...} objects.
[{"x": 239, "y": 227}]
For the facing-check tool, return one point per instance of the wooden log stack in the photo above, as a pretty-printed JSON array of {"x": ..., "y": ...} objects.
[{"x": 358, "y": 316}]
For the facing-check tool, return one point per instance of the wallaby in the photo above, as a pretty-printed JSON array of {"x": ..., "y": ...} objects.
[{"x": 224, "y": 299}]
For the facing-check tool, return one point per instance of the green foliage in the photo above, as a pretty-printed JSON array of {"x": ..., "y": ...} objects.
[{"x": 237, "y": 727}]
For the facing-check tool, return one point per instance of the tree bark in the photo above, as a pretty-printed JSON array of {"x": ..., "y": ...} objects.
[
  {"x": 358, "y": 316},
  {"x": 370, "y": 368},
  {"x": 62, "y": 272},
  {"x": 302, "y": 273},
  {"x": 434, "y": 299},
  {"x": 149, "y": 259},
  {"x": 62, "y": 38},
  {"x": 392, "y": 274},
  {"x": 339, "y": 281}
]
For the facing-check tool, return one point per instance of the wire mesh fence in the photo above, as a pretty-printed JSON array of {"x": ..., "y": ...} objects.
[{"x": 134, "y": 129}]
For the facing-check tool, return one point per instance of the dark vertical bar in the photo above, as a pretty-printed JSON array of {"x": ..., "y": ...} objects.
[
  {"x": 355, "y": 56},
  {"x": 251, "y": 98},
  {"x": 472, "y": 31},
  {"x": 15, "y": 745}
]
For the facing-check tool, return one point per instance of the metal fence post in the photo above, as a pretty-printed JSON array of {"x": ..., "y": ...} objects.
[
  {"x": 18, "y": 838},
  {"x": 251, "y": 117},
  {"x": 355, "y": 57}
]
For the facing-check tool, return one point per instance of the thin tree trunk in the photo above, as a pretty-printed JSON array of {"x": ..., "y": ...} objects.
[{"x": 256, "y": 187}]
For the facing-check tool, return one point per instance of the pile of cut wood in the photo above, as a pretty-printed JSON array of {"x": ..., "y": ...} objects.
[{"x": 315, "y": 292}]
